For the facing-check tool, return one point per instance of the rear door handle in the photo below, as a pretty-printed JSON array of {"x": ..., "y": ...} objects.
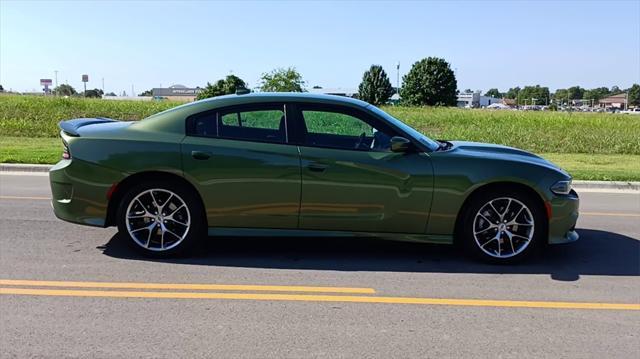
[
  {"x": 317, "y": 167},
  {"x": 200, "y": 155}
]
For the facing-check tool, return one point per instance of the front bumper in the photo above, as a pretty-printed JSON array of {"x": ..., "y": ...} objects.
[
  {"x": 79, "y": 191},
  {"x": 564, "y": 215}
]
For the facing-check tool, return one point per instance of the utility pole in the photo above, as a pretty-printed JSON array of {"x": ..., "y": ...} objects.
[
  {"x": 132, "y": 93},
  {"x": 103, "y": 85},
  {"x": 626, "y": 101},
  {"x": 398, "y": 79},
  {"x": 56, "y": 77}
]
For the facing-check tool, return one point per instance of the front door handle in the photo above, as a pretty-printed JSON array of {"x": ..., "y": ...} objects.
[
  {"x": 317, "y": 167},
  {"x": 200, "y": 155}
]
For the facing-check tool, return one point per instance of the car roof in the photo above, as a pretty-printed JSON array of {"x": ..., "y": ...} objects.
[
  {"x": 232, "y": 100},
  {"x": 166, "y": 118},
  {"x": 282, "y": 97}
]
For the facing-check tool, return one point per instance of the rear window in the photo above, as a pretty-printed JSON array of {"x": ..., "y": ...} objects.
[{"x": 264, "y": 123}]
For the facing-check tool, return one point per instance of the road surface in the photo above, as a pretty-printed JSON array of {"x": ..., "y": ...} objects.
[{"x": 73, "y": 291}]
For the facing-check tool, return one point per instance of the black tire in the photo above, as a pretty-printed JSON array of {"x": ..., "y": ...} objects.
[
  {"x": 500, "y": 251},
  {"x": 178, "y": 242}
]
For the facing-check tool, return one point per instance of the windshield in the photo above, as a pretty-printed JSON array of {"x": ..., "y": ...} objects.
[{"x": 431, "y": 144}]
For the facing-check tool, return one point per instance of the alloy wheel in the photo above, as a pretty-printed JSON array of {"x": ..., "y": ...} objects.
[
  {"x": 503, "y": 227},
  {"x": 158, "y": 219}
]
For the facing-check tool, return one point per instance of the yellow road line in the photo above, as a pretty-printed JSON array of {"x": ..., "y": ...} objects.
[
  {"x": 612, "y": 214},
  {"x": 320, "y": 298},
  {"x": 125, "y": 285},
  {"x": 22, "y": 197}
]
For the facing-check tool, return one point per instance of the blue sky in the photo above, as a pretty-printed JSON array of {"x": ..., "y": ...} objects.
[{"x": 148, "y": 43}]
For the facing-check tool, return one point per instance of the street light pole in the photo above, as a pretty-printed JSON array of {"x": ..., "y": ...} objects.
[{"x": 398, "y": 79}]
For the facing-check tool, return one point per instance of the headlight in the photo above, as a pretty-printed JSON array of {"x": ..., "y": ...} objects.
[{"x": 561, "y": 187}]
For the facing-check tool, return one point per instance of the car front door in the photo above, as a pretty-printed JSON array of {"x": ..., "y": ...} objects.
[
  {"x": 242, "y": 164},
  {"x": 352, "y": 181}
]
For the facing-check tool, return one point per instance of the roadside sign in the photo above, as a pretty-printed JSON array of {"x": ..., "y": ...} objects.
[
  {"x": 46, "y": 82},
  {"x": 85, "y": 78}
]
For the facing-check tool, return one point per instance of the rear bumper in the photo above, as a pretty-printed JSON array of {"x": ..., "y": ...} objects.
[
  {"x": 565, "y": 211},
  {"x": 79, "y": 191}
]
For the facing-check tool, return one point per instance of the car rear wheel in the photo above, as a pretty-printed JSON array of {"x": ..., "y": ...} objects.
[
  {"x": 503, "y": 226},
  {"x": 161, "y": 219}
]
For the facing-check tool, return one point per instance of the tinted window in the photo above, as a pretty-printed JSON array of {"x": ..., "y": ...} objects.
[
  {"x": 264, "y": 123},
  {"x": 204, "y": 125},
  {"x": 327, "y": 128}
]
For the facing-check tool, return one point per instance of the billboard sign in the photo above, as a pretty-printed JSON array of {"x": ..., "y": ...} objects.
[
  {"x": 85, "y": 78},
  {"x": 46, "y": 82}
]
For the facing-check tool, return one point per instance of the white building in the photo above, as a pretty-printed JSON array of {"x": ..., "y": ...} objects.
[{"x": 475, "y": 100}]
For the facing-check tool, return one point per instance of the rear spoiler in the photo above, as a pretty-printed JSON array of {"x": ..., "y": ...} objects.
[{"x": 71, "y": 127}]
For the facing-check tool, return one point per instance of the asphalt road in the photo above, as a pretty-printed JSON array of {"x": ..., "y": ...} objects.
[{"x": 385, "y": 299}]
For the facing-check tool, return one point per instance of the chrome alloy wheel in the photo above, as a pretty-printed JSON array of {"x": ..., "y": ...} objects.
[
  {"x": 158, "y": 219},
  {"x": 503, "y": 227}
]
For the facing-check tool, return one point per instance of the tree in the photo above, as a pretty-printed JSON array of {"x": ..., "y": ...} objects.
[
  {"x": 64, "y": 90},
  {"x": 282, "y": 80},
  {"x": 1, "y": 88},
  {"x": 596, "y": 93},
  {"x": 615, "y": 90},
  {"x": 222, "y": 87},
  {"x": 111, "y": 94},
  {"x": 146, "y": 93},
  {"x": 430, "y": 82},
  {"x": 534, "y": 95},
  {"x": 95, "y": 93},
  {"x": 576, "y": 93},
  {"x": 634, "y": 95},
  {"x": 494, "y": 93},
  {"x": 468, "y": 91},
  {"x": 375, "y": 87},
  {"x": 561, "y": 95},
  {"x": 513, "y": 93}
]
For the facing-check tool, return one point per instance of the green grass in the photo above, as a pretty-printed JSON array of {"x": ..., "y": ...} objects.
[
  {"x": 38, "y": 116},
  {"x": 602, "y": 167},
  {"x": 30, "y": 150},
  {"x": 594, "y": 146},
  {"x": 540, "y": 132},
  {"x": 598, "y": 167}
]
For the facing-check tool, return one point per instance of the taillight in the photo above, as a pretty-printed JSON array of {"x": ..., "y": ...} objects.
[{"x": 65, "y": 151}]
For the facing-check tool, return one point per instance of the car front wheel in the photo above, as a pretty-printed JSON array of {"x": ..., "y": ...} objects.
[
  {"x": 160, "y": 219},
  {"x": 503, "y": 226}
]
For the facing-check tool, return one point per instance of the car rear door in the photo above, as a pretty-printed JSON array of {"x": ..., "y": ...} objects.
[
  {"x": 351, "y": 181},
  {"x": 243, "y": 165}
]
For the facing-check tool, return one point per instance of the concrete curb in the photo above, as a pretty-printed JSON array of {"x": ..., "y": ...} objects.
[
  {"x": 578, "y": 185},
  {"x": 615, "y": 185},
  {"x": 19, "y": 167}
]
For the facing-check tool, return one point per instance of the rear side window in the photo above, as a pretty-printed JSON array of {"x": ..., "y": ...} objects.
[{"x": 264, "y": 123}]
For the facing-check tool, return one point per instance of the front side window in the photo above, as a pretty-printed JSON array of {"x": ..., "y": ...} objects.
[{"x": 335, "y": 129}]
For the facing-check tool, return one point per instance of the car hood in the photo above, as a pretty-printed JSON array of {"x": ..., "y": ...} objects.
[{"x": 500, "y": 152}]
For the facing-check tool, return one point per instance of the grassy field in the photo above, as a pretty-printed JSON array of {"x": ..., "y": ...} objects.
[{"x": 590, "y": 146}]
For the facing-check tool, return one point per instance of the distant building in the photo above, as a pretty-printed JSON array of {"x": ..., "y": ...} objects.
[
  {"x": 176, "y": 92},
  {"x": 475, "y": 100},
  {"x": 615, "y": 101}
]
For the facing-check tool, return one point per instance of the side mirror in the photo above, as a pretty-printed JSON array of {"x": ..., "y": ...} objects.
[{"x": 400, "y": 144}]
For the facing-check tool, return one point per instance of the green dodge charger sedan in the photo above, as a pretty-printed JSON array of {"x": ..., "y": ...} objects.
[{"x": 300, "y": 164}]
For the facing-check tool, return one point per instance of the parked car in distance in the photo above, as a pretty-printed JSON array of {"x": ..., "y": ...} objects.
[
  {"x": 302, "y": 164},
  {"x": 632, "y": 111}
]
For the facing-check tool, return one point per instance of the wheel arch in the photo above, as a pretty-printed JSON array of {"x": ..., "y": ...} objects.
[
  {"x": 502, "y": 185},
  {"x": 123, "y": 187}
]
